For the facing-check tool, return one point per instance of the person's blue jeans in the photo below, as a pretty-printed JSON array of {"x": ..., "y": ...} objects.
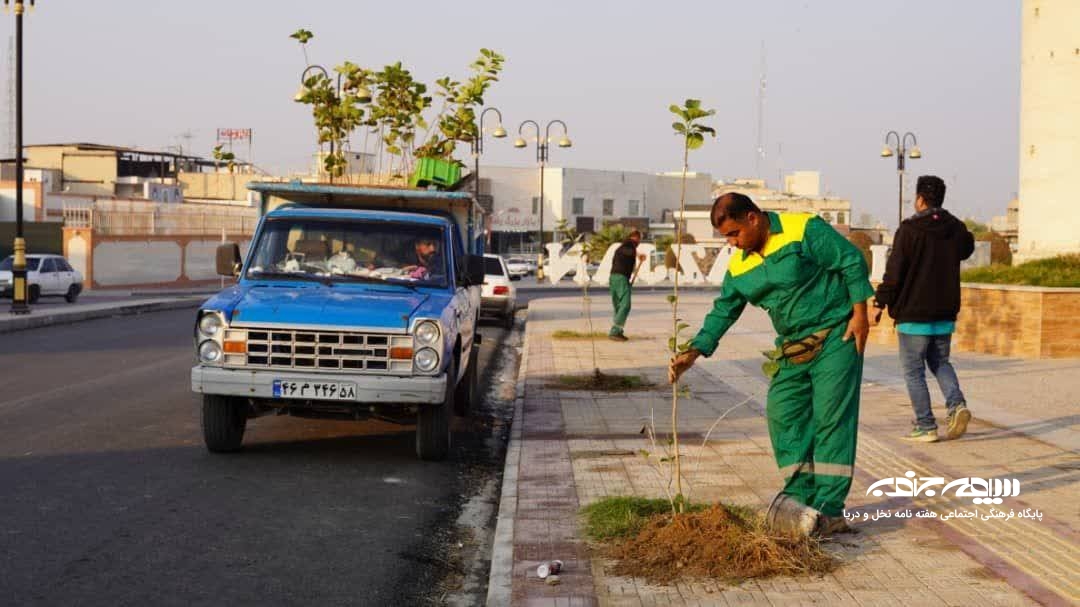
[{"x": 917, "y": 352}]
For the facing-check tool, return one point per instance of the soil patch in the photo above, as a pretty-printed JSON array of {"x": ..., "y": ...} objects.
[
  {"x": 602, "y": 382},
  {"x": 725, "y": 543},
  {"x": 567, "y": 334}
]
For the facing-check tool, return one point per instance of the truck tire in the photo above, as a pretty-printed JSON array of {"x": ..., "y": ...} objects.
[
  {"x": 223, "y": 420},
  {"x": 508, "y": 320},
  {"x": 433, "y": 423},
  {"x": 467, "y": 395}
]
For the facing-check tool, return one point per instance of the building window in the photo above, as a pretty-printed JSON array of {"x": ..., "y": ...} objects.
[
  {"x": 578, "y": 206},
  {"x": 840, "y": 218},
  {"x": 609, "y": 207},
  {"x": 635, "y": 208},
  {"x": 827, "y": 216},
  {"x": 536, "y": 205}
]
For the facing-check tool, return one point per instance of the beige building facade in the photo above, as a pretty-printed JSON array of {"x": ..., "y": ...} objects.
[{"x": 1049, "y": 129}]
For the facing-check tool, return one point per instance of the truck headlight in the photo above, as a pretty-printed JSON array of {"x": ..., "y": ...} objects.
[
  {"x": 427, "y": 333},
  {"x": 426, "y": 360},
  {"x": 209, "y": 352},
  {"x": 210, "y": 324}
]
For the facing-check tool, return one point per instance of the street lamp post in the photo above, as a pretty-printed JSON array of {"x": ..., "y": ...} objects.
[
  {"x": 901, "y": 151},
  {"x": 477, "y": 150},
  {"x": 541, "y": 158},
  {"x": 363, "y": 94},
  {"x": 478, "y": 145},
  {"x": 19, "y": 294}
]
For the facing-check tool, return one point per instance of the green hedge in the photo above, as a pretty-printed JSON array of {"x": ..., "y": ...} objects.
[{"x": 1063, "y": 271}]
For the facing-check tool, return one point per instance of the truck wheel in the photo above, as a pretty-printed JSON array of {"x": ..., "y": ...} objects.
[
  {"x": 468, "y": 391},
  {"x": 72, "y": 293},
  {"x": 223, "y": 420},
  {"x": 508, "y": 320},
  {"x": 433, "y": 423}
]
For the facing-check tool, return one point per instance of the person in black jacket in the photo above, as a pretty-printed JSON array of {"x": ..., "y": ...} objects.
[
  {"x": 622, "y": 271},
  {"x": 921, "y": 289}
]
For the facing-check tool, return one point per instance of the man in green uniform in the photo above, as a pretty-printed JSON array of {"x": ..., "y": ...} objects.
[
  {"x": 622, "y": 271},
  {"x": 814, "y": 284}
]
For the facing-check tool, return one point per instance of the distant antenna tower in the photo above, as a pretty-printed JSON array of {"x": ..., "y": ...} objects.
[
  {"x": 186, "y": 136},
  {"x": 759, "y": 154},
  {"x": 9, "y": 124}
]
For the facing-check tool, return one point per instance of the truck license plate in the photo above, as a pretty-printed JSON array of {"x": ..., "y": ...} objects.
[{"x": 323, "y": 390}]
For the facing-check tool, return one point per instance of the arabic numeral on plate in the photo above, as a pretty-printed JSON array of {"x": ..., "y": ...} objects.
[{"x": 333, "y": 390}]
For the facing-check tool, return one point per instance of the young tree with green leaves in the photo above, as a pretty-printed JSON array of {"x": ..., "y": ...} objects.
[
  {"x": 220, "y": 155},
  {"x": 690, "y": 128},
  {"x": 397, "y": 112},
  {"x": 456, "y": 121}
]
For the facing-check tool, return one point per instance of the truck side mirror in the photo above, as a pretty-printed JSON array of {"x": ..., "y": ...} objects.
[
  {"x": 475, "y": 272},
  {"x": 228, "y": 259}
]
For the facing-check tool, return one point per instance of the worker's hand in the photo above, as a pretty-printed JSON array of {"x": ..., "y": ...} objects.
[
  {"x": 680, "y": 363},
  {"x": 858, "y": 327},
  {"x": 641, "y": 257},
  {"x": 875, "y": 316}
]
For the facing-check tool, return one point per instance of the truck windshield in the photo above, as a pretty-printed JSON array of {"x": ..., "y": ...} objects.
[{"x": 350, "y": 251}]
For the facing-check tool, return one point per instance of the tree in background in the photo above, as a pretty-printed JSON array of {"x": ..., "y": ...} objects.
[
  {"x": 601, "y": 241},
  {"x": 975, "y": 227},
  {"x": 863, "y": 241},
  {"x": 1000, "y": 253}
]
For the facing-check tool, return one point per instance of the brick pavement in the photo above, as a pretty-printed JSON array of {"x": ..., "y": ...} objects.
[{"x": 577, "y": 447}]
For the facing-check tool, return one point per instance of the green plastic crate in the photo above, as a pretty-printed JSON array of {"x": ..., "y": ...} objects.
[{"x": 435, "y": 171}]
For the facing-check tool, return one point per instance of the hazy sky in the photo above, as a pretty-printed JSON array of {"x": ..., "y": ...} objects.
[{"x": 841, "y": 73}]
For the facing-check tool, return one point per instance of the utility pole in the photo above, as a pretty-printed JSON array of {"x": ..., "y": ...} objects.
[{"x": 759, "y": 153}]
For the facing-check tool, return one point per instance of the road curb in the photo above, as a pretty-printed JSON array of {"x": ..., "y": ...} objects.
[
  {"x": 31, "y": 321},
  {"x": 500, "y": 579}
]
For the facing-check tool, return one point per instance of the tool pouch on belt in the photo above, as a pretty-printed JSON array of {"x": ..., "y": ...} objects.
[{"x": 806, "y": 349}]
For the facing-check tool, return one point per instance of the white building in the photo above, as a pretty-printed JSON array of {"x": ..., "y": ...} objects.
[
  {"x": 1049, "y": 129},
  {"x": 802, "y": 194},
  {"x": 586, "y": 198}
]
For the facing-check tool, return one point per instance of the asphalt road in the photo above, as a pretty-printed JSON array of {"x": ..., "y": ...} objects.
[{"x": 108, "y": 496}]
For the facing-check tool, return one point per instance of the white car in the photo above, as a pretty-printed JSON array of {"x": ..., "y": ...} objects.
[
  {"x": 498, "y": 296},
  {"x": 46, "y": 275},
  {"x": 519, "y": 267}
]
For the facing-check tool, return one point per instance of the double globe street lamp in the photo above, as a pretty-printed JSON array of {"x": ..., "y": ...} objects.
[
  {"x": 541, "y": 158},
  {"x": 900, "y": 149}
]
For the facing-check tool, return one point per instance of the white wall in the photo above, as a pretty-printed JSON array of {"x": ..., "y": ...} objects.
[
  {"x": 513, "y": 188},
  {"x": 7, "y": 204},
  {"x": 137, "y": 262},
  {"x": 1049, "y": 128}
]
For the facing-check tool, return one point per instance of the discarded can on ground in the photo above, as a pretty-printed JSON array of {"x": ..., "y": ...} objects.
[
  {"x": 786, "y": 515},
  {"x": 549, "y": 568}
]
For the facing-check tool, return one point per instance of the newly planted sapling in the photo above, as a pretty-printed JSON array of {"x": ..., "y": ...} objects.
[{"x": 692, "y": 132}]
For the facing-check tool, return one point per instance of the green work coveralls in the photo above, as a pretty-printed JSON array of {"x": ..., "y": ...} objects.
[
  {"x": 807, "y": 279},
  {"x": 619, "y": 286}
]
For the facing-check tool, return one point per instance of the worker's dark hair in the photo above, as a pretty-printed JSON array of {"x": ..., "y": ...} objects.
[
  {"x": 932, "y": 190},
  {"x": 732, "y": 206},
  {"x": 634, "y": 233}
]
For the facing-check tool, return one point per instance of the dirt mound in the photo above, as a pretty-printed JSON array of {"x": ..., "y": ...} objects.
[
  {"x": 718, "y": 543},
  {"x": 601, "y": 382}
]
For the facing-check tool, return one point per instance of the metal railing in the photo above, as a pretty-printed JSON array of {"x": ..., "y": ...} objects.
[{"x": 163, "y": 222}]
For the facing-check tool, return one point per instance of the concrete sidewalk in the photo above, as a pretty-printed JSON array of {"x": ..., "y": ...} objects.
[
  {"x": 95, "y": 304},
  {"x": 571, "y": 448}
]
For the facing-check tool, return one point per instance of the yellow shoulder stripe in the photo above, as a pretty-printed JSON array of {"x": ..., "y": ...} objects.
[{"x": 794, "y": 228}]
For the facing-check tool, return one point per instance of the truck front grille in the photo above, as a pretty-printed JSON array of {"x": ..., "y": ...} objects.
[{"x": 325, "y": 351}]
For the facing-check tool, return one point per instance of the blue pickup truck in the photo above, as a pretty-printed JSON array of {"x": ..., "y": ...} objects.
[{"x": 350, "y": 303}]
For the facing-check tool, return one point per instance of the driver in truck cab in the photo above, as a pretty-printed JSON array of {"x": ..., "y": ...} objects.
[{"x": 425, "y": 249}]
